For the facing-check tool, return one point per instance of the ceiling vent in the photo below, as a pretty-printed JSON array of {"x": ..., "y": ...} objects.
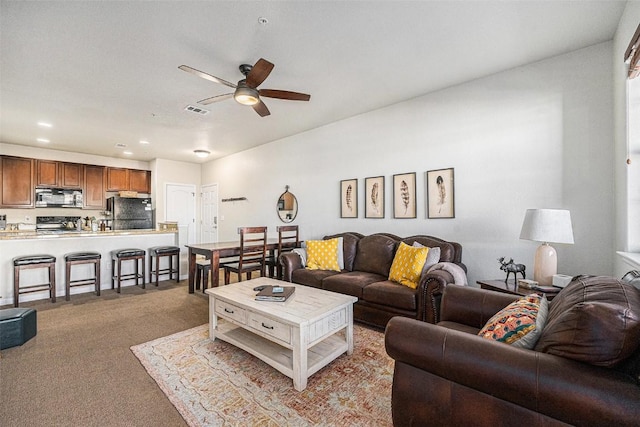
[{"x": 196, "y": 110}]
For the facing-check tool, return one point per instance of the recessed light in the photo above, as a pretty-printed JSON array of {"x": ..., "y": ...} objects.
[
  {"x": 43, "y": 140},
  {"x": 144, "y": 142},
  {"x": 262, "y": 20},
  {"x": 201, "y": 153},
  {"x": 45, "y": 124},
  {"x": 128, "y": 153}
]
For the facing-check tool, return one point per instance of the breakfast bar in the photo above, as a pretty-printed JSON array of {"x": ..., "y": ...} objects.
[{"x": 14, "y": 244}]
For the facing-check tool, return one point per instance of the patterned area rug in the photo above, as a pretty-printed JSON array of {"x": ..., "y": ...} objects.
[{"x": 215, "y": 383}]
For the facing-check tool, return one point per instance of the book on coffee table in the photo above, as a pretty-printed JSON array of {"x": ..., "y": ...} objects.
[{"x": 267, "y": 294}]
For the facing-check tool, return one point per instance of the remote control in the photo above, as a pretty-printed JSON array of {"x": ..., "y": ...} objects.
[
  {"x": 259, "y": 288},
  {"x": 277, "y": 289}
]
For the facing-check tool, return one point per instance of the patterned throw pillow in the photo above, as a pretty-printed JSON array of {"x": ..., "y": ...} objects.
[
  {"x": 407, "y": 265},
  {"x": 520, "y": 323},
  {"x": 322, "y": 255}
]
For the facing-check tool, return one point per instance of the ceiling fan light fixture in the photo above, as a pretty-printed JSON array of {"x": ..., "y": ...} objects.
[
  {"x": 246, "y": 96},
  {"x": 201, "y": 153}
]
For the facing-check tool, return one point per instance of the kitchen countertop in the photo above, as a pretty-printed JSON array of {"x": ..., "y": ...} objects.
[{"x": 30, "y": 234}]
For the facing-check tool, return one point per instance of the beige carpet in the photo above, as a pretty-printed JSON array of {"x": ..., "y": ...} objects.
[{"x": 212, "y": 383}]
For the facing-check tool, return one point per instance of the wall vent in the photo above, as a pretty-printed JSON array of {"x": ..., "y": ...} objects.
[{"x": 196, "y": 110}]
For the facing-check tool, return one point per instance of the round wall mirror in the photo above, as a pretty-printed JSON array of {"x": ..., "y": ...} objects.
[{"x": 287, "y": 206}]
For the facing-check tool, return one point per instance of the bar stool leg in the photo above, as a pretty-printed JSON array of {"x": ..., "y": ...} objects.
[
  {"x": 67, "y": 289},
  {"x": 119, "y": 271},
  {"x": 177, "y": 267},
  {"x": 113, "y": 272},
  {"x": 52, "y": 282},
  {"x": 157, "y": 270},
  {"x": 97, "y": 270},
  {"x": 143, "y": 274},
  {"x": 16, "y": 286}
]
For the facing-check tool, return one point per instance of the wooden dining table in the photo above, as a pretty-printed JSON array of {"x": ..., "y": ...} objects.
[{"x": 214, "y": 252}]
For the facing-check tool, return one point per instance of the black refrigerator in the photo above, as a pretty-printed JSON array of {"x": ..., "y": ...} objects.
[{"x": 128, "y": 213}]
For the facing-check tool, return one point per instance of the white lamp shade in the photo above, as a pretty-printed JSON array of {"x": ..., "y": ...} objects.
[{"x": 547, "y": 225}]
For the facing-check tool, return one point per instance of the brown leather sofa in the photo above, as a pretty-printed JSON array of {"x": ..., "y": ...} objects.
[
  {"x": 584, "y": 369},
  {"x": 367, "y": 261}
]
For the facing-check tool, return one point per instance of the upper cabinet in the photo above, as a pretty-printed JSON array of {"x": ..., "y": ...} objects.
[
  {"x": 140, "y": 181},
  {"x": 17, "y": 182},
  {"x": 54, "y": 174},
  {"x": 93, "y": 192},
  {"x": 120, "y": 179}
]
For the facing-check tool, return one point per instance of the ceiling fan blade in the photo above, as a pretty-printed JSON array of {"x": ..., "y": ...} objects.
[
  {"x": 216, "y": 98},
  {"x": 259, "y": 73},
  {"x": 284, "y": 94},
  {"x": 261, "y": 109},
  {"x": 206, "y": 76}
]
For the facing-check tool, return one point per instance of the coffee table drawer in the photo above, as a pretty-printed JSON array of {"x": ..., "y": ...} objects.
[
  {"x": 231, "y": 311},
  {"x": 266, "y": 325}
]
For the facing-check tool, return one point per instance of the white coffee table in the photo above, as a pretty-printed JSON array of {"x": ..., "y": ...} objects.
[{"x": 297, "y": 337}]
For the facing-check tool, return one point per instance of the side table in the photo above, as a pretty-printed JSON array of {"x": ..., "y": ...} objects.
[{"x": 511, "y": 287}]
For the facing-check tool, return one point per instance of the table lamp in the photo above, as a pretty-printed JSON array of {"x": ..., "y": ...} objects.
[{"x": 546, "y": 226}]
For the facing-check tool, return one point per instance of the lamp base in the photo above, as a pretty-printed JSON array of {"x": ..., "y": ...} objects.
[{"x": 545, "y": 264}]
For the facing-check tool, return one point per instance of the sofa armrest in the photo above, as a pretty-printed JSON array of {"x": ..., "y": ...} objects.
[
  {"x": 472, "y": 306},
  {"x": 560, "y": 388},
  {"x": 290, "y": 261}
]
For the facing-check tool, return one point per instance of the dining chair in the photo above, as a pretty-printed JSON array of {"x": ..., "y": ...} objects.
[
  {"x": 288, "y": 239},
  {"x": 252, "y": 257}
]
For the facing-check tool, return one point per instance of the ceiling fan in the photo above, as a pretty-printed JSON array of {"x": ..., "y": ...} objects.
[{"x": 246, "y": 91}]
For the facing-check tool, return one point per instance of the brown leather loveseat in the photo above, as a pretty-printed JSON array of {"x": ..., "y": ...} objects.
[
  {"x": 584, "y": 369},
  {"x": 367, "y": 261}
]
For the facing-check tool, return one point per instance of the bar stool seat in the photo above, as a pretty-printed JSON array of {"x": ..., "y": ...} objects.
[
  {"x": 119, "y": 255},
  {"x": 29, "y": 262},
  {"x": 158, "y": 252},
  {"x": 77, "y": 258}
]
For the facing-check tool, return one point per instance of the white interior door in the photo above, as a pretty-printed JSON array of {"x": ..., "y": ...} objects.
[
  {"x": 209, "y": 206},
  {"x": 180, "y": 206}
]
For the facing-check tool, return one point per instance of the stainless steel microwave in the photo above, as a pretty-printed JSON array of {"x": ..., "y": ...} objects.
[{"x": 58, "y": 198}]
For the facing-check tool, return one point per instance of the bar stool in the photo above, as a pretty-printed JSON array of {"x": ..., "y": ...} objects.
[
  {"x": 29, "y": 262},
  {"x": 157, "y": 252},
  {"x": 203, "y": 267},
  {"x": 120, "y": 255},
  {"x": 77, "y": 258}
]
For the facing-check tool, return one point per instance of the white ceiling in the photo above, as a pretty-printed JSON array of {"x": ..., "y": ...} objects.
[{"x": 106, "y": 72}]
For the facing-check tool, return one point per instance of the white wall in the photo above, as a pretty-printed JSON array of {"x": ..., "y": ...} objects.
[
  {"x": 537, "y": 136},
  {"x": 165, "y": 172}
]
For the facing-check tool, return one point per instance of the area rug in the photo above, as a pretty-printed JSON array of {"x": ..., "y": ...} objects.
[{"x": 213, "y": 383}]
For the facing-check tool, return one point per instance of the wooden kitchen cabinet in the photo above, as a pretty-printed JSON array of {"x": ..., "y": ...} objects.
[
  {"x": 94, "y": 189},
  {"x": 17, "y": 190},
  {"x": 140, "y": 181},
  {"x": 120, "y": 179},
  {"x": 53, "y": 174}
]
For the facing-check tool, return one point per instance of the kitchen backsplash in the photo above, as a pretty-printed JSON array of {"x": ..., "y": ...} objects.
[{"x": 28, "y": 216}]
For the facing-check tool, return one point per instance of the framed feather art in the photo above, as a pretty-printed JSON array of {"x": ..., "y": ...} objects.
[
  {"x": 404, "y": 195},
  {"x": 349, "y": 198},
  {"x": 440, "y": 201},
  {"x": 374, "y": 197}
]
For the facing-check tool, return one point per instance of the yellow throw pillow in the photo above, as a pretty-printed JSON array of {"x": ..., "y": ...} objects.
[
  {"x": 407, "y": 265},
  {"x": 323, "y": 255}
]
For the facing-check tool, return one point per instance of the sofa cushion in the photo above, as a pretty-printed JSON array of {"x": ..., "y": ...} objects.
[
  {"x": 311, "y": 278},
  {"x": 407, "y": 265},
  {"x": 375, "y": 254},
  {"x": 349, "y": 247},
  {"x": 351, "y": 283},
  {"x": 323, "y": 255},
  {"x": 391, "y": 294},
  {"x": 594, "y": 320},
  {"x": 519, "y": 324},
  {"x": 448, "y": 250}
]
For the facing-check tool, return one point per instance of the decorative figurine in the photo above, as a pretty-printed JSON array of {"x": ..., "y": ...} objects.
[{"x": 510, "y": 267}]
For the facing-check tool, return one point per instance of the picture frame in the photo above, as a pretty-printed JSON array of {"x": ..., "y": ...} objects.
[
  {"x": 404, "y": 195},
  {"x": 374, "y": 200},
  {"x": 349, "y": 198},
  {"x": 440, "y": 193}
]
